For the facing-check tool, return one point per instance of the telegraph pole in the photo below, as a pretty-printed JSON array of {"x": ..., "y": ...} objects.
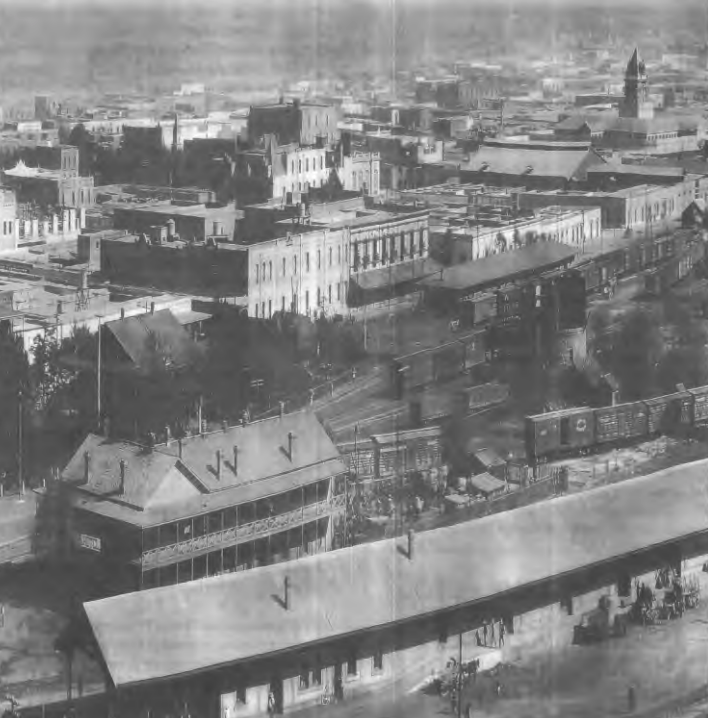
[
  {"x": 98, "y": 377},
  {"x": 20, "y": 478}
]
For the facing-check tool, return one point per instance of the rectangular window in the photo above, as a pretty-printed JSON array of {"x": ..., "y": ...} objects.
[
  {"x": 282, "y": 306},
  {"x": 270, "y": 308},
  {"x": 283, "y": 266},
  {"x": 307, "y": 300},
  {"x": 329, "y": 293},
  {"x": 295, "y": 264},
  {"x": 377, "y": 661},
  {"x": 257, "y": 273},
  {"x": 330, "y": 256},
  {"x": 319, "y": 259},
  {"x": 319, "y": 298},
  {"x": 339, "y": 291},
  {"x": 214, "y": 522},
  {"x": 199, "y": 522},
  {"x": 351, "y": 665},
  {"x": 339, "y": 255},
  {"x": 270, "y": 270},
  {"x": 241, "y": 696},
  {"x": 307, "y": 261}
]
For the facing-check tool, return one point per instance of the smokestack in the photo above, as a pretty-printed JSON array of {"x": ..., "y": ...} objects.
[
  {"x": 179, "y": 447},
  {"x": 411, "y": 541},
  {"x": 121, "y": 491},
  {"x": 87, "y": 466},
  {"x": 152, "y": 307},
  {"x": 235, "y": 460},
  {"x": 218, "y": 464},
  {"x": 122, "y": 313},
  {"x": 286, "y": 593},
  {"x": 291, "y": 444}
]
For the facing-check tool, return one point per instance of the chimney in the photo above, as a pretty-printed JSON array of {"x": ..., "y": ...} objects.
[
  {"x": 179, "y": 447},
  {"x": 168, "y": 436},
  {"x": 291, "y": 445},
  {"x": 152, "y": 307},
  {"x": 218, "y": 464},
  {"x": 87, "y": 466},
  {"x": 286, "y": 593},
  {"x": 122, "y": 312},
  {"x": 282, "y": 408},
  {"x": 411, "y": 541},
  {"x": 121, "y": 490}
]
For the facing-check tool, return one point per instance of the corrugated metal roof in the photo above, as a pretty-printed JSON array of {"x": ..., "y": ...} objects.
[{"x": 196, "y": 626}]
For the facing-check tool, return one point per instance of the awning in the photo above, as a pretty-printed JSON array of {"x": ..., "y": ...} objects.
[
  {"x": 396, "y": 273},
  {"x": 191, "y": 317}
]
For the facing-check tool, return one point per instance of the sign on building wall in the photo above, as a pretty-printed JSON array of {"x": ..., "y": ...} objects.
[{"x": 90, "y": 542}]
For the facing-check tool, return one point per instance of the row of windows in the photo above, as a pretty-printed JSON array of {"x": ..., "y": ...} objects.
[
  {"x": 293, "y": 305},
  {"x": 7, "y": 227},
  {"x": 305, "y": 539},
  {"x": 307, "y": 165},
  {"x": 262, "y": 275},
  {"x": 234, "y": 516}
]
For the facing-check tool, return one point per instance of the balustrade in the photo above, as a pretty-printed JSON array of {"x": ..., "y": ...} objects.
[{"x": 252, "y": 530}]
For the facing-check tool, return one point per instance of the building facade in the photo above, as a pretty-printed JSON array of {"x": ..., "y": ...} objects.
[
  {"x": 245, "y": 496},
  {"x": 303, "y": 123}
]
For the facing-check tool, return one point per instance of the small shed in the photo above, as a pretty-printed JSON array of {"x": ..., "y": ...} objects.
[
  {"x": 488, "y": 461},
  {"x": 487, "y": 486}
]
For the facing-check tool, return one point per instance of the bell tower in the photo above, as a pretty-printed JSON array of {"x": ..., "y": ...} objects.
[{"x": 636, "y": 102}]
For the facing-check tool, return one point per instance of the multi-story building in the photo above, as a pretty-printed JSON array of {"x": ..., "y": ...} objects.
[
  {"x": 328, "y": 263},
  {"x": 52, "y": 180},
  {"x": 302, "y": 123},
  {"x": 8, "y": 219},
  {"x": 360, "y": 172},
  {"x": 230, "y": 500},
  {"x": 271, "y": 170}
]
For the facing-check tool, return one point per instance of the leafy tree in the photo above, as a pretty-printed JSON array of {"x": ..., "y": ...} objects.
[{"x": 15, "y": 392}]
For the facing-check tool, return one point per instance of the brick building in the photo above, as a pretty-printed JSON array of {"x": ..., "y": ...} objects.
[{"x": 306, "y": 124}]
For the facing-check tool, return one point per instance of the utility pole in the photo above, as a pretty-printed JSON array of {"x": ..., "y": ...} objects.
[
  {"x": 98, "y": 377},
  {"x": 459, "y": 680},
  {"x": 19, "y": 440}
]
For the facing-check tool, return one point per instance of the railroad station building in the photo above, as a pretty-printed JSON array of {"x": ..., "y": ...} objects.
[
  {"x": 361, "y": 617},
  {"x": 224, "y": 501}
]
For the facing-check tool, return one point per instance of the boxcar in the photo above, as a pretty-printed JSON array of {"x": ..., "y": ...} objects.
[
  {"x": 448, "y": 361},
  {"x": 620, "y": 422},
  {"x": 433, "y": 407},
  {"x": 476, "y": 397},
  {"x": 700, "y": 404},
  {"x": 559, "y": 431},
  {"x": 665, "y": 413},
  {"x": 412, "y": 371}
]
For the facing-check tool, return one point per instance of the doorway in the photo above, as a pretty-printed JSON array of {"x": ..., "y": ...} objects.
[
  {"x": 276, "y": 688},
  {"x": 338, "y": 687}
]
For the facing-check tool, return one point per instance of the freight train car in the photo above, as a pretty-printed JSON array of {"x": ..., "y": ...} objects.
[
  {"x": 437, "y": 364},
  {"x": 435, "y": 406},
  {"x": 581, "y": 429}
]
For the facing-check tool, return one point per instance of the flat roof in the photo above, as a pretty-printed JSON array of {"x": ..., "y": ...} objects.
[
  {"x": 507, "y": 265},
  {"x": 192, "y": 210},
  {"x": 192, "y": 627}
]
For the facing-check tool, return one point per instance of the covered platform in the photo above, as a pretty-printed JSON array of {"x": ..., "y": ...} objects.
[
  {"x": 237, "y": 618},
  {"x": 499, "y": 269}
]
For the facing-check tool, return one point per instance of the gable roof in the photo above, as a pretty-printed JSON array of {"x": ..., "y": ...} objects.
[
  {"x": 155, "y": 337},
  {"x": 196, "y": 626},
  {"x": 264, "y": 468},
  {"x": 520, "y": 159},
  {"x": 144, "y": 470}
]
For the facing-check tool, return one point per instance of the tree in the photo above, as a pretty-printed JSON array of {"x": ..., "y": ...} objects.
[
  {"x": 15, "y": 395},
  {"x": 633, "y": 357}
]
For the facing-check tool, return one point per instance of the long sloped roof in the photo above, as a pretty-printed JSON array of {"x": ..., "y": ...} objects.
[
  {"x": 200, "y": 625},
  {"x": 507, "y": 265},
  {"x": 518, "y": 159}
]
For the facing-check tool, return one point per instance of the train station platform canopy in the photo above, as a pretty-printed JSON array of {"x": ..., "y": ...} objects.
[
  {"x": 501, "y": 268},
  {"x": 394, "y": 274},
  {"x": 175, "y": 631}
]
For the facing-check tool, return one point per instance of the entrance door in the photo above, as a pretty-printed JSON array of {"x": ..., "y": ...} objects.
[
  {"x": 565, "y": 432},
  {"x": 276, "y": 688},
  {"x": 338, "y": 687}
]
